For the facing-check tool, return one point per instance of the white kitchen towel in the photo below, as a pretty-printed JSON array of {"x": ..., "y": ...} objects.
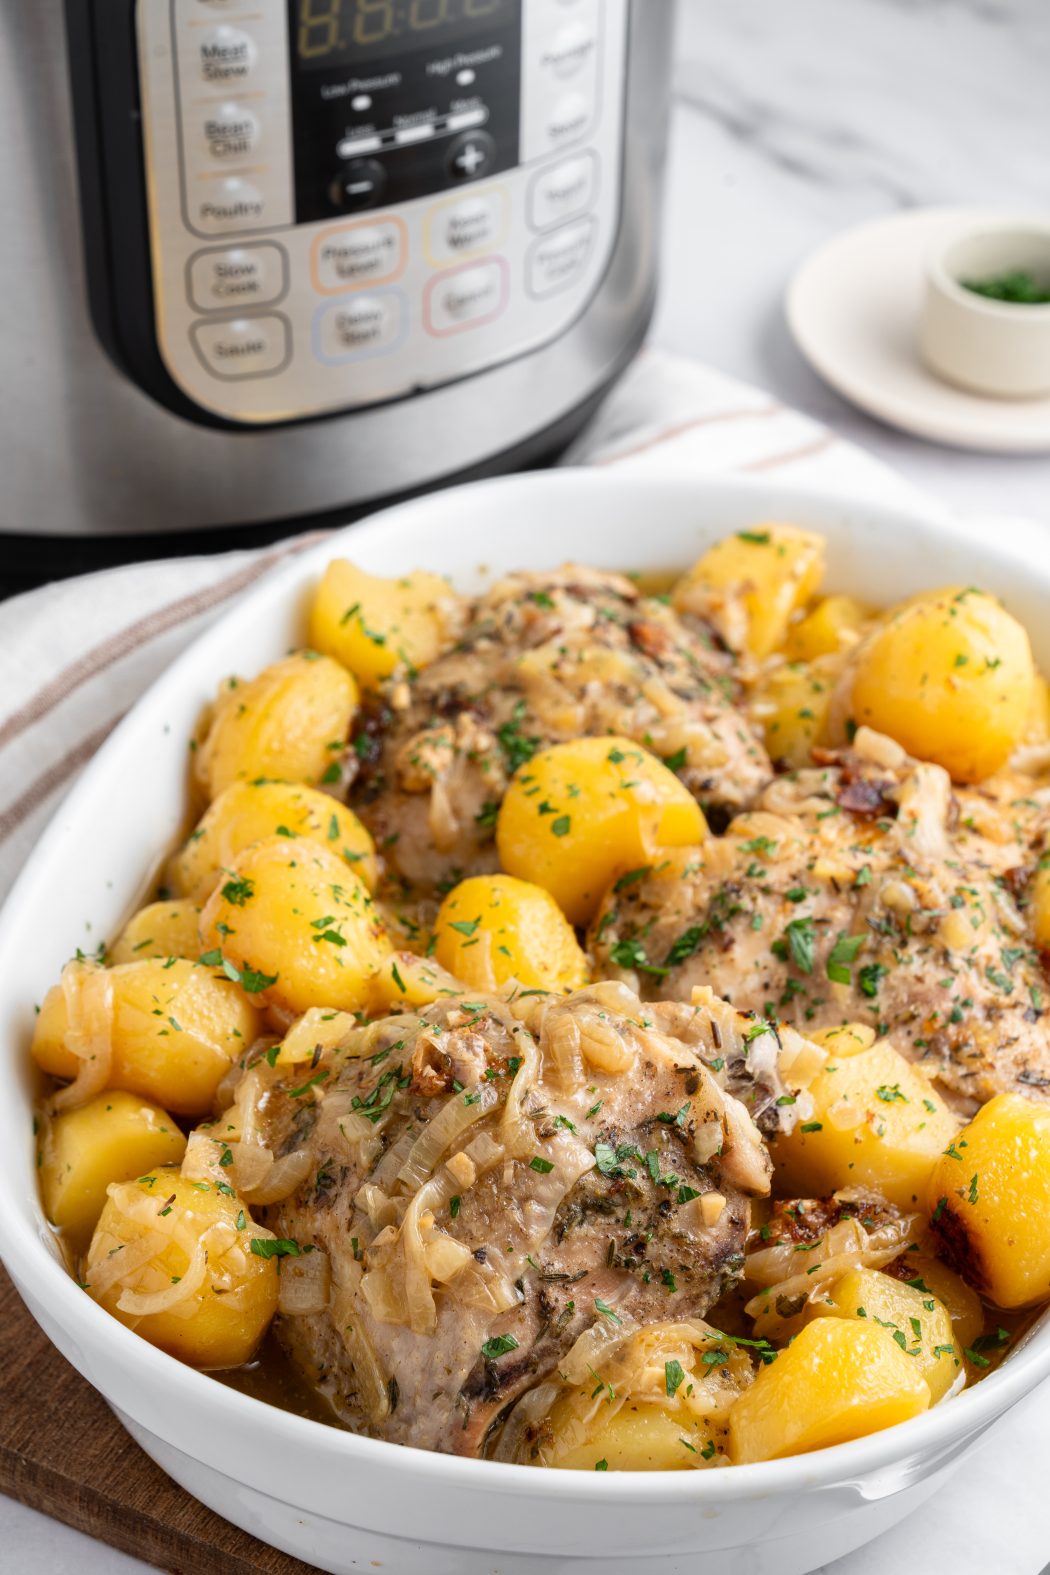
[{"x": 76, "y": 655}]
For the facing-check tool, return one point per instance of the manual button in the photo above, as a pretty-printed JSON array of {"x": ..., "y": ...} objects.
[
  {"x": 245, "y": 347},
  {"x": 231, "y": 276}
]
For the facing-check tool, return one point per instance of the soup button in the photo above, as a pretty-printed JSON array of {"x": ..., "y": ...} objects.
[{"x": 245, "y": 347}]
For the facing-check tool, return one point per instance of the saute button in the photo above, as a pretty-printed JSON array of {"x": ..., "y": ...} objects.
[
  {"x": 557, "y": 260},
  {"x": 225, "y": 206},
  {"x": 359, "y": 254},
  {"x": 563, "y": 191},
  {"x": 231, "y": 131},
  {"x": 246, "y": 347},
  {"x": 236, "y": 275},
  {"x": 465, "y": 297},
  {"x": 227, "y": 55},
  {"x": 364, "y": 325}
]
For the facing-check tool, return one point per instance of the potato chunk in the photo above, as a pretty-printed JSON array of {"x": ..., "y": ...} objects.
[
  {"x": 161, "y": 929},
  {"x": 290, "y": 723},
  {"x": 298, "y": 926},
  {"x": 376, "y": 626},
  {"x": 961, "y": 1303},
  {"x": 174, "y": 1260},
  {"x": 990, "y": 1201},
  {"x": 791, "y": 706},
  {"x": 951, "y": 678},
  {"x": 247, "y": 812},
  {"x": 833, "y": 625},
  {"x": 916, "y": 1320},
  {"x": 750, "y": 584},
  {"x": 114, "y": 1137},
  {"x": 876, "y": 1122},
  {"x": 581, "y": 813},
  {"x": 176, "y": 1029},
  {"x": 494, "y": 927},
  {"x": 839, "y": 1379}
]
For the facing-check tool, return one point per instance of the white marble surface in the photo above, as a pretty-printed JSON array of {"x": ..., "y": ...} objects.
[{"x": 793, "y": 119}]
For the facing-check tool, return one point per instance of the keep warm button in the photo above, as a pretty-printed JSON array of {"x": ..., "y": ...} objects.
[
  {"x": 466, "y": 297},
  {"x": 556, "y": 261},
  {"x": 245, "y": 347}
]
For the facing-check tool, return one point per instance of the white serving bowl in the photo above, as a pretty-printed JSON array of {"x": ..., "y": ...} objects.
[{"x": 345, "y": 1503}]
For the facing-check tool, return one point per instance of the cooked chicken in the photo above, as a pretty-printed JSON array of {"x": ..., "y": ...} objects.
[
  {"x": 545, "y": 657},
  {"x": 865, "y": 889},
  {"x": 489, "y": 1178}
]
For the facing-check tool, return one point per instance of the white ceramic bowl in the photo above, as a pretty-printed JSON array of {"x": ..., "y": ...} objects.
[{"x": 345, "y": 1503}]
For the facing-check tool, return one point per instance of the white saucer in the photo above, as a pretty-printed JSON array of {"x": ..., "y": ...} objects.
[{"x": 853, "y": 309}]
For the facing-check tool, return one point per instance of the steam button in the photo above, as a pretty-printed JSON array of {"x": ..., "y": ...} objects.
[{"x": 569, "y": 119}]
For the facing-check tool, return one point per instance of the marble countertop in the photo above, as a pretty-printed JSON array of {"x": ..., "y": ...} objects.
[{"x": 792, "y": 120}]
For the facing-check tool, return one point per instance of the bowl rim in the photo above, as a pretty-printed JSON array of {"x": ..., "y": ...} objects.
[
  {"x": 941, "y": 278},
  {"x": 23, "y": 1244}
]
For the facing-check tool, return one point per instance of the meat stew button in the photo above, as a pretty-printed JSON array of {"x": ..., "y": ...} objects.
[{"x": 245, "y": 347}]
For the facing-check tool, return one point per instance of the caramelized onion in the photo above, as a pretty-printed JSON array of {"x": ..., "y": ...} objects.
[
  {"x": 88, "y": 994},
  {"x": 305, "y": 1284},
  {"x": 454, "y": 1118}
]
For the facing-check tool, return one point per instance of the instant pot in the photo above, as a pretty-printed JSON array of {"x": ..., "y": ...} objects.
[{"x": 269, "y": 259}]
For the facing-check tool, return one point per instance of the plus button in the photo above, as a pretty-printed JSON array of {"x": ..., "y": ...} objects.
[
  {"x": 471, "y": 155},
  {"x": 470, "y": 158}
]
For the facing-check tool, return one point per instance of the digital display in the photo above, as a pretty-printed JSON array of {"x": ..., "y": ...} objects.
[{"x": 341, "y": 32}]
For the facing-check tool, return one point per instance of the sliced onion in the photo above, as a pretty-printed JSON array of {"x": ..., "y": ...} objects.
[
  {"x": 282, "y": 1178},
  {"x": 439, "y": 1134},
  {"x": 144, "y": 1305},
  {"x": 88, "y": 994},
  {"x": 349, "y": 1323},
  {"x": 305, "y": 1284},
  {"x": 317, "y": 1029}
]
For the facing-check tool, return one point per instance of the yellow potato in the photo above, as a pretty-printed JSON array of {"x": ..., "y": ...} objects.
[
  {"x": 289, "y": 723},
  {"x": 1039, "y": 903},
  {"x": 161, "y": 929},
  {"x": 791, "y": 706},
  {"x": 222, "y": 1295},
  {"x": 950, "y": 677},
  {"x": 406, "y": 980},
  {"x": 750, "y": 585},
  {"x": 493, "y": 928},
  {"x": 176, "y": 1030},
  {"x": 833, "y": 625},
  {"x": 1038, "y": 729},
  {"x": 844, "y": 1039},
  {"x": 911, "y": 1316},
  {"x": 377, "y": 627},
  {"x": 246, "y": 812},
  {"x": 876, "y": 1122},
  {"x": 579, "y": 814},
  {"x": 963, "y": 1305},
  {"x": 989, "y": 1198},
  {"x": 297, "y": 925},
  {"x": 839, "y": 1379},
  {"x": 115, "y": 1137},
  {"x": 641, "y": 1436}
]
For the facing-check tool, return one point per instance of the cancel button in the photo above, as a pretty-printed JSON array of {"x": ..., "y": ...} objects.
[{"x": 244, "y": 347}]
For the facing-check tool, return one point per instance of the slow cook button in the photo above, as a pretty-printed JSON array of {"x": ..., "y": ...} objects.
[
  {"x": 222, "y": 207},
  {"x": 556, "y": 261},
  {"x": 245, "y": 347},
  {"x": 231, "y": 131},
  {"x": 563, "y": 191},
  {"x": 569, "y": 119},
  {"x": 365, "y": 325},
  {"x": 235, "y": 275},
  {"x": 364, "y": 253},
  {"x": 473, "y": 224},
  {"x": 465, "y": 297},
  {"x": 227, "y": 55}
]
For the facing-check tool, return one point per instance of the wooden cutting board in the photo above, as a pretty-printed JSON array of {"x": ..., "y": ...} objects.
[{"x": 62, "y": 1451}]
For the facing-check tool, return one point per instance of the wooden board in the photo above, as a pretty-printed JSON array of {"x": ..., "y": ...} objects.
[{"x": 62, "y": 1451}]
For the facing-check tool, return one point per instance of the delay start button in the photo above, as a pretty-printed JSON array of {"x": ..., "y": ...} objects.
[
  {"x": 232, "y": 276},
  {"x": 365, "y": 325},
  {"x": 246, "y": 347}
]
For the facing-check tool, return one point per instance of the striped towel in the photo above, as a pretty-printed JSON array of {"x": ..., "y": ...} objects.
[{"x": 76, "y": 655}]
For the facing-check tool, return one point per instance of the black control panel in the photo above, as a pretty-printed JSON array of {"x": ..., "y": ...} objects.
[{"x": 396, "y": 99}]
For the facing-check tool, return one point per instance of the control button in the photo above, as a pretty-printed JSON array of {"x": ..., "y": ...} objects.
[
  {"x": 470, "y": 155},
  {"x": 556, "y": 261},
  {"x": 231, "y": 131},
  {"x": 368, "y": 324},
  {"x": 563, "y": 190},
  {"x": 465, "y": 297},
  {"x": 466, "y": 225},
  {"x": 246, "y": 347},
  {"x": 231, "y": 204},
  {"x": 569, "y": 118},
  {"x": 227, "y": 55},
  {"x": 362, "y": 253},
  {"x": 360, "y": 185},
  {"x": 571, "y": 47},
  {"x": 231, "y": 276}
]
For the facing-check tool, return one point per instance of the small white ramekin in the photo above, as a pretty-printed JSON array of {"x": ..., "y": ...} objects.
[{"x": 990, "y": 347}]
